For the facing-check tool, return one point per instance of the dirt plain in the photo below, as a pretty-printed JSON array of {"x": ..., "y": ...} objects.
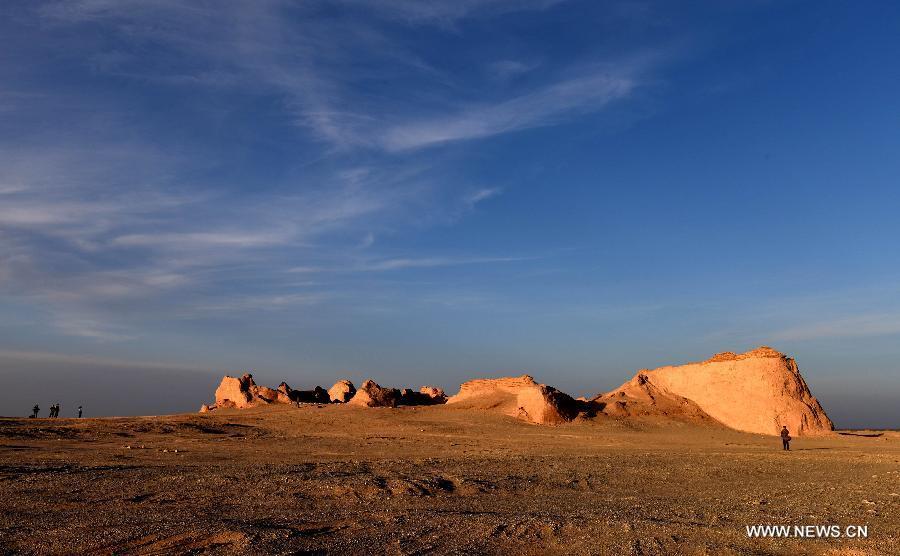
[{"x": 348, "y": 480}]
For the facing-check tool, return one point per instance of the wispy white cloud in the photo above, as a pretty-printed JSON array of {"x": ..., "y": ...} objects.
[
  {"x": 540, "y": 108},
  {"x": 865, "y": 325},
  {"x": 508, "y": 69},
  {"x": 6, "y": 189},
  {"x": 92, "y": 329},
  {"x": 282, "y": 48},
  {"x": 70, "y": 358},
  {"x": 368, "y": 240},
  {"x": 383, "y": 265},
  {"x": 473, "y": 198},
  {"x": 269, "y": 302},
  {"x": 442, "y": 12},
  {"x": 200, "y": 240}
]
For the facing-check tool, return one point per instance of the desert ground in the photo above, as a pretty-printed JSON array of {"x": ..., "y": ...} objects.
[{"x": 434, "y": 479}]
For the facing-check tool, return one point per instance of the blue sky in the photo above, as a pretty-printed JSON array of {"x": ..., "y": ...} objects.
[{"x": 423, "y": 192}]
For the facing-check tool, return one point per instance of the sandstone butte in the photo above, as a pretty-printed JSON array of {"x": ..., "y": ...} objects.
[{"x": 757, "y": 391}]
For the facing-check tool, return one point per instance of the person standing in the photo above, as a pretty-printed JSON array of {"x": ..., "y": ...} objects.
[
  {"x": 79, "y": 412},
  {"x": 785, "y": 438},
  {"x": 35, "y": 410}
]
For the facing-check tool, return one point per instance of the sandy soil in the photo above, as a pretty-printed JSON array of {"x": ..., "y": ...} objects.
[{"x": 338, "y": 479}]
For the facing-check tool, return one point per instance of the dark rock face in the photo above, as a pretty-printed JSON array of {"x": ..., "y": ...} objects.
[
  {"x": 317, "y": 395},
  {"x": 427, "y": 395}
]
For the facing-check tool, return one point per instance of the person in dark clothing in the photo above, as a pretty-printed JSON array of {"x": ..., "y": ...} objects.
[
  {"x": 785, "y": 438},
  {"x": 35, "y": 410},
  {"x": 52, "y": 410},
  {"x": 79, "y": 412}
]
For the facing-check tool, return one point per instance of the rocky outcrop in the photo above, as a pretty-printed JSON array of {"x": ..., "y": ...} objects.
[
  {"x": 239, "y": 393},
  {"x": 342, "y": 391},
  {"x": 436, "y": 394},
  {"x": 285, "y": 393},
  {"x": 243, "y": 392},
  {"x": 519, "y": 397},
  {"x": 370, "y": 394},
  {"x": 757, "y": 391},
  {"x": 427, "y": 395}
]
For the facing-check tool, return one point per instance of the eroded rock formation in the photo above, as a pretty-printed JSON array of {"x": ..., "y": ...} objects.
[
  {"x": 370, "y": 394},
  {"x": 342, "y": 391},
  {"x": 243, "y": 392},
  {"x": 519, "y": 397},
  {"x": 427, "y": 395},
  {"x": 758, "y": 391}
]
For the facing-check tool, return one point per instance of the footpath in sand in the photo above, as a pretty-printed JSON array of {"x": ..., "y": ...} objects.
[{"x": 417, "y": 479}]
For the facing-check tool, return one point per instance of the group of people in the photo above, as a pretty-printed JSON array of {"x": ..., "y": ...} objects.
[{"x": 54, "y": 411}]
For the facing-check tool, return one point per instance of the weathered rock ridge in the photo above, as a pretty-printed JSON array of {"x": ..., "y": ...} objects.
[
  {"x": 519, "y": 397},
  {"x": 243, "y": 392},
  {"x": 757, "y": 391},
  {"x": 370, "y": 394}
]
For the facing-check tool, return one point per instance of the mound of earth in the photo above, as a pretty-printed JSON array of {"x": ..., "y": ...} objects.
[
  {"x": 342, "y": 391},
  {"x": 758, "y": 391},
  {"x": 370, "y": 394},
  {"x": 519, "y": 397}
]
